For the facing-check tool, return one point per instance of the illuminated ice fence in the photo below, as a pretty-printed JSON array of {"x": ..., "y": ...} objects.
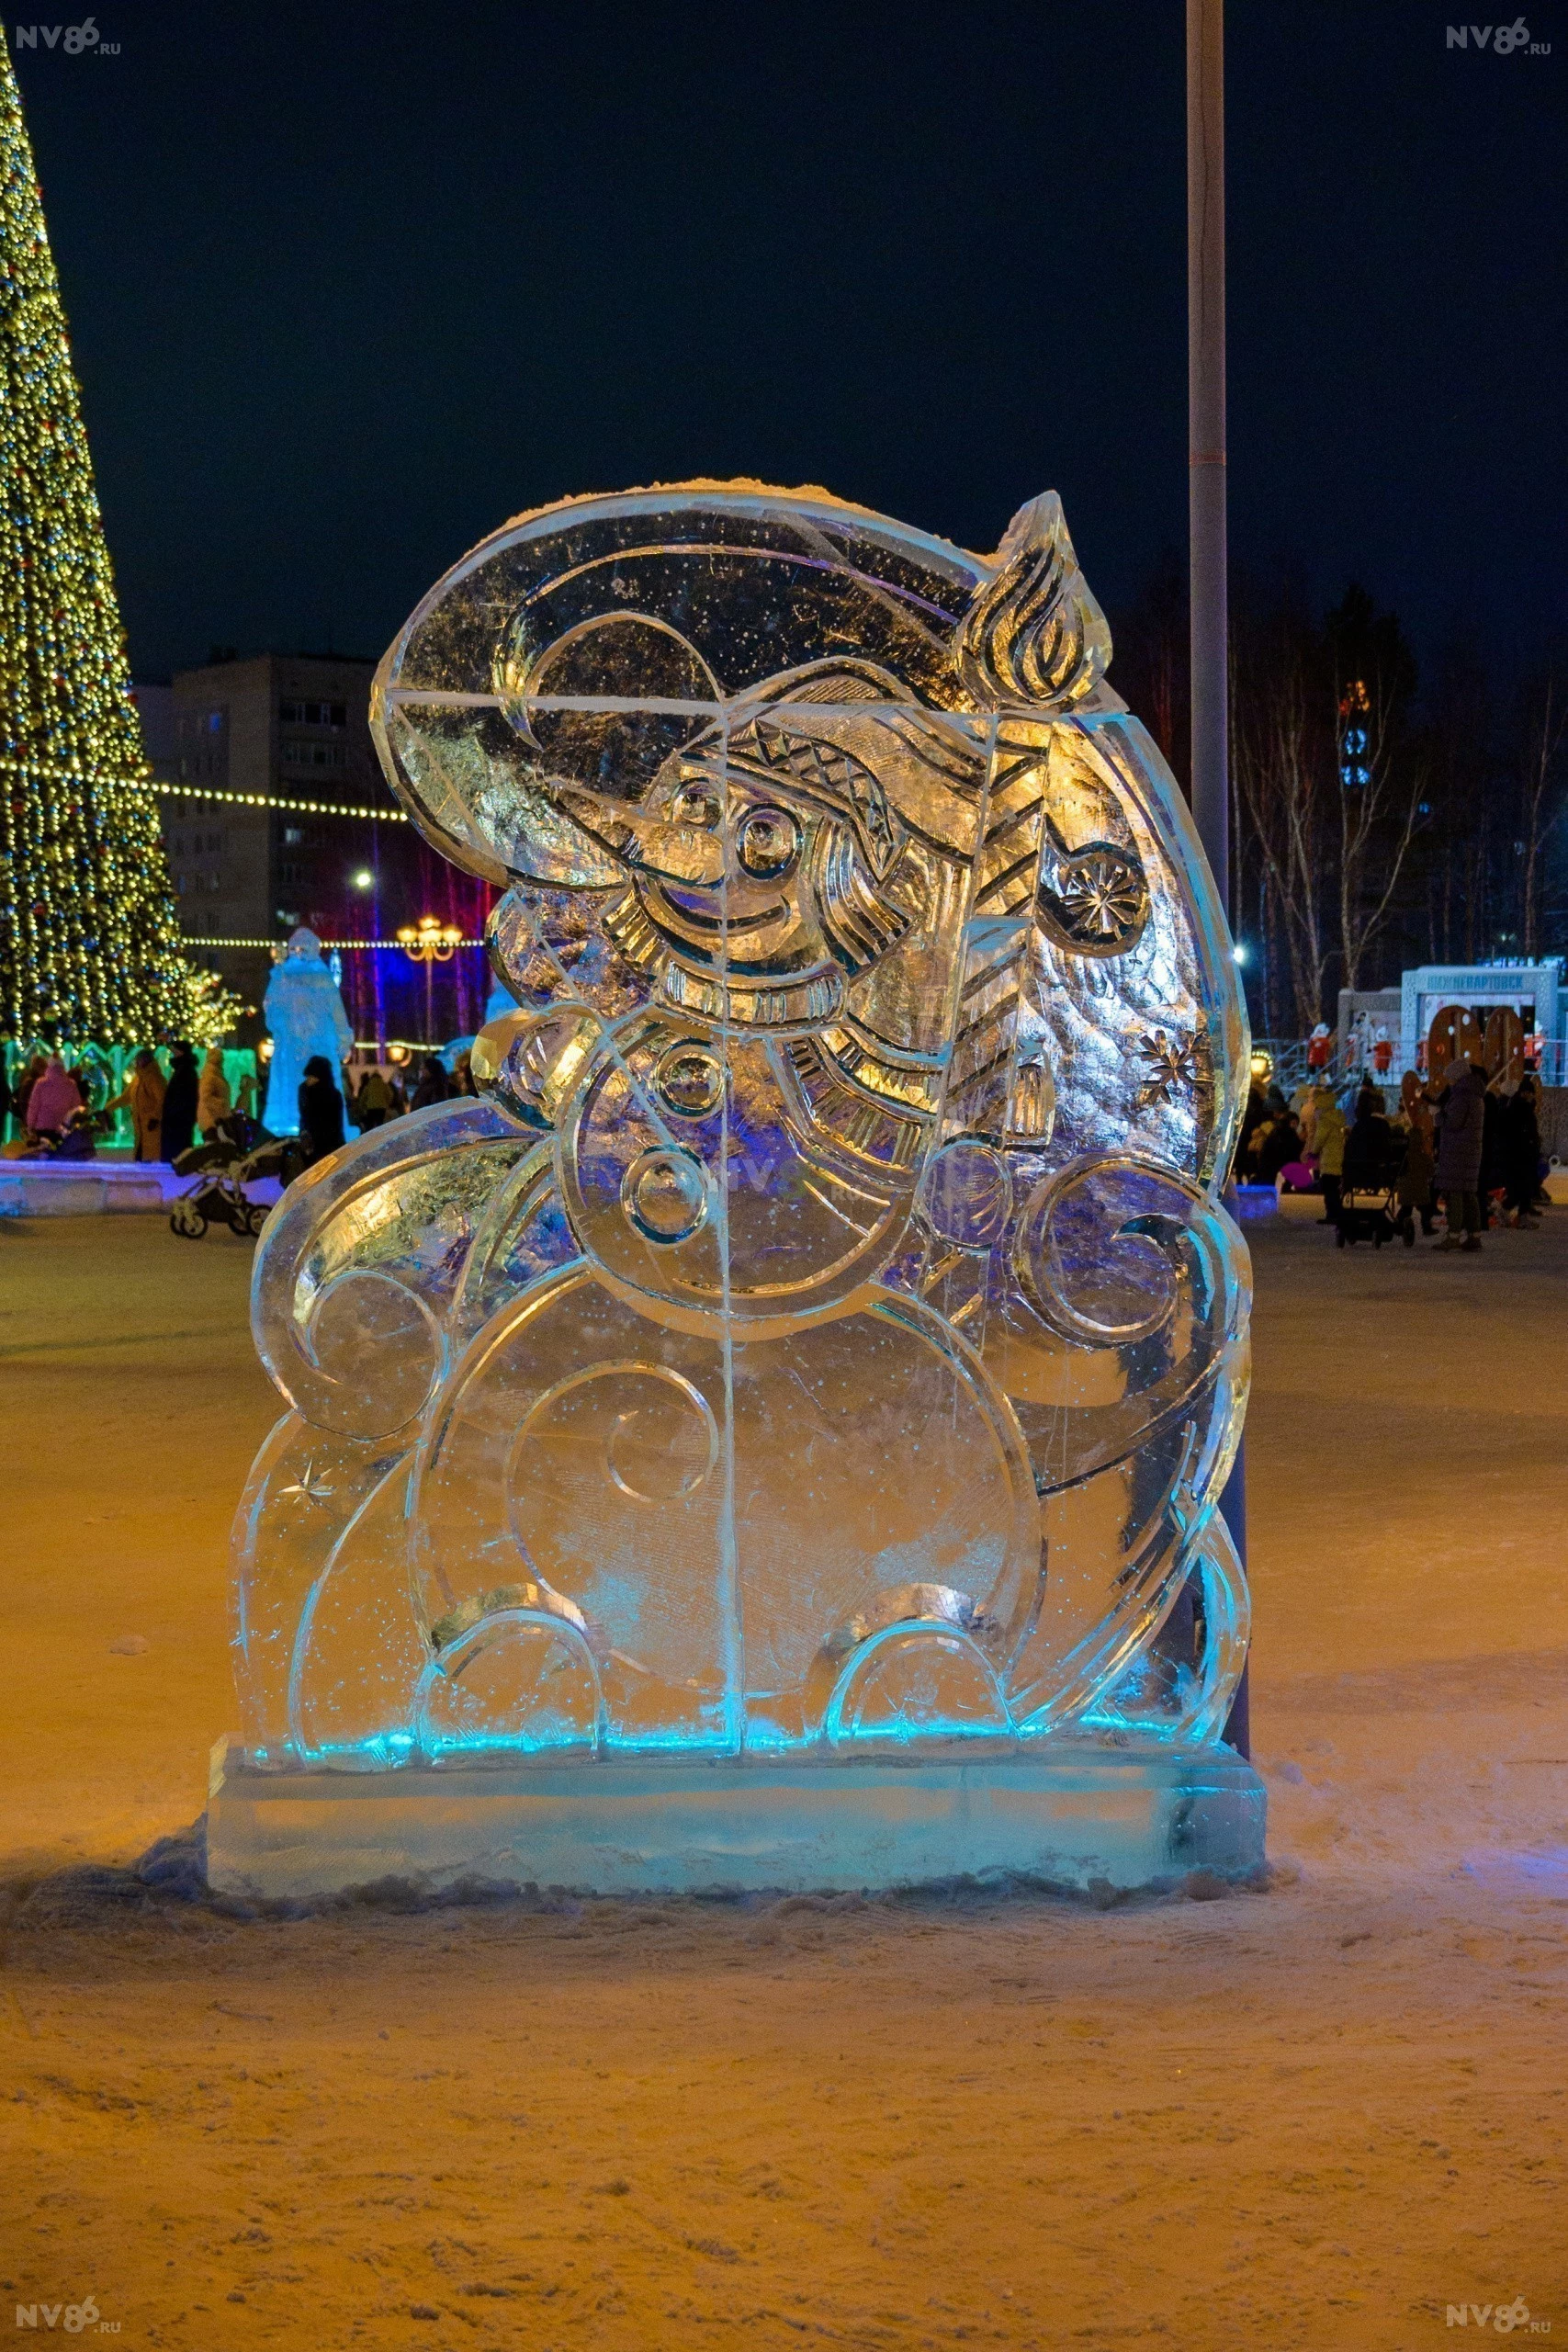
[{"x": 822, "y": 1339}]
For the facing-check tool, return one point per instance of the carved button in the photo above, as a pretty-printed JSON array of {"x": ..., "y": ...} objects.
[
  {"x": 665, "y": 1193},
  {"x": 689, "y": 1080}
]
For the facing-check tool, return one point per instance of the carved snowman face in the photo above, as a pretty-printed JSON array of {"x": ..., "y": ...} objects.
[
  {"x": 756, "y": 910},
  {"x": 790, "y": 861}
]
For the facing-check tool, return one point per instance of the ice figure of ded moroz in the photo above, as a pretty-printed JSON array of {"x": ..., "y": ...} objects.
[
  {"x": 823, "y": 1335},
  {"x": 304, "y": 1014}
]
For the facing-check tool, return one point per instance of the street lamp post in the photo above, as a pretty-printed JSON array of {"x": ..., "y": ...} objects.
[
  {"x": 430, "y": 941},
  {"x": 1207, "y": 552}
]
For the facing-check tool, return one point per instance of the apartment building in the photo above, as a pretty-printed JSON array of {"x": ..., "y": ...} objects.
[{"x": 294, "y": 728}]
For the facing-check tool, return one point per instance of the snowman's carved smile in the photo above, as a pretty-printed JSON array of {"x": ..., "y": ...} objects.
[{"x": 696, "y": 907}]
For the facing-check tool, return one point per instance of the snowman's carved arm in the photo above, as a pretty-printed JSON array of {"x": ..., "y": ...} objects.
[{"x": 359, "y": 1263}]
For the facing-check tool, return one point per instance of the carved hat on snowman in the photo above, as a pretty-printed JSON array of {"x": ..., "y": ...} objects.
[{"x": 544, "y": 707}]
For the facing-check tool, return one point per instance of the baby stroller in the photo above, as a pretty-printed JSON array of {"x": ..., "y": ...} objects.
[
  {"x": 222, "y": 1171},
  {"x": 1366, "y": 1214},
  {"x": 77, "y": 1140},
  {"x": 1369, "y": 1189},
  {"x": 232, "y": 1136}
]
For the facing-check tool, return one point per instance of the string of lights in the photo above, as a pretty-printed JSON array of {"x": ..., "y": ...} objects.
[
  {"x": 90, "y": 945},
  {"x": 402, "y": 945},
  {"x": 271, "y": 800}
]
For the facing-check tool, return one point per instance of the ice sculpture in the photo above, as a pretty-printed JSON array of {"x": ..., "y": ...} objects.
[
  {"x": 304, "y": 1014},
  {"x": 823, "y": 1336}
]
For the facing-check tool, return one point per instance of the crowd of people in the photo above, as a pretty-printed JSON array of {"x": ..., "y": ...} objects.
[
  {"x": 50, "y": 1112},
  {"x": 380, "y": 1096},
  {"x": 1468, "y": 1143}
]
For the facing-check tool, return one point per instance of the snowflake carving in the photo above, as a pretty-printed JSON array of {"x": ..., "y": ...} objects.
[
  {"x": 1101, "y": 897},
  {"x": 310, "y": 1489},
  {"x": 1172, "y": 1060}
]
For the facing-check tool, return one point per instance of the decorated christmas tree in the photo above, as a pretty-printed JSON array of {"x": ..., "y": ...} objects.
[{"x": 89, "y": 942}]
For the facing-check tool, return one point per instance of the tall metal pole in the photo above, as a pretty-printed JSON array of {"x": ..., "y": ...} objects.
[
  {"x": 1206, "y": 429},
  {"x": 1206, "y": 521}
]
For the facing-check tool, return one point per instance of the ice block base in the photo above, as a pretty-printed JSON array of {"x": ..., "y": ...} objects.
[{"x": 1072, "y": 1816}]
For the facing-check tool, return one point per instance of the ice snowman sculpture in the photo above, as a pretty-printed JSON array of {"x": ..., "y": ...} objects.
[
  {"x": 305, "y": 1016},
  {"x": 823, "y": 1334}
]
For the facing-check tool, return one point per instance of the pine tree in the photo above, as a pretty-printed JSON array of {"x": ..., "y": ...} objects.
[{"x": 89, "y": 941}]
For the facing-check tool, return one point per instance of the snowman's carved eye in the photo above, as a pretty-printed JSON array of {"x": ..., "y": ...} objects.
[
  {"x": 1095, "y": 902},
  {"x": 699, "y": 804},
  {"x": 769, "y": 843}
]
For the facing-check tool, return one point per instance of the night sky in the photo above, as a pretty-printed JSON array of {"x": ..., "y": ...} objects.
[{"x": 349, "y": 284}]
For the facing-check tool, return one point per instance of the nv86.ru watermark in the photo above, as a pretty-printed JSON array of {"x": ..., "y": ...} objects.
[
  {"x": 73, "y": 2319},
  {"x": 75, "y": 41},
  {"x": 1501, "y": 2318},
  {"x": 1504, "y": 41}
]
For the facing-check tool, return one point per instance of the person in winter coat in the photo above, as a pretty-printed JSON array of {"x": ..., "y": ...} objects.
[
  {"x": 1414, "y": 1195},
  {"x": 435, "y": 1086},
  {"x": 321, "y": 1110},
  {"x": 180, "y": 1100},
  {"x": 373, "y": 1105},
  {"x": 1492, "y": 1173},
  {"x": 143, "y": 1095},
  {"x": 52, "y": 1100},
  {"x": 25, "y": 1085},
  {"x": 1328, "y": 1142},
  {"x": 1463, "y": 1111},
  {"x": 1278, "y": 1145},
  {"x": 1368, "y": 1147},
  {"x": 1252, "y": 1118},
  {"x": 214, "y": 1100},
  {"x": 1519, "y": 1153}
]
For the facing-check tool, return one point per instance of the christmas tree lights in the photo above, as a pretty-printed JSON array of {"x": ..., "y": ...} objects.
[{"x": 90, "y": 945}]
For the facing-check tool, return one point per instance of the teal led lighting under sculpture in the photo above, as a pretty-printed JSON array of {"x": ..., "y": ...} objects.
[{"x": 822, "y": 1337}]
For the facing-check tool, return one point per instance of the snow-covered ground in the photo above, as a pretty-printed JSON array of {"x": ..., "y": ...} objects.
[{"x": 1318, "y": 2116}]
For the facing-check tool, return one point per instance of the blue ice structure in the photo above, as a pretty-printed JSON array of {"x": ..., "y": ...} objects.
[
  {"x": 304, "y": 1014},
  {"x": 775, "y": 1433}
]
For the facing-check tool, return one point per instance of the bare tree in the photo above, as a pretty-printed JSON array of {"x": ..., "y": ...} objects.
[
  {"x": 1460, "y": 766},
  {"x": 1281, "y": 754},
  {"x": 1330, "y": 784},
  {"x": 1152, "y": 661},
  {"x": 1540, "y": 803},
  {"x": 1380, "y": 793}
]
